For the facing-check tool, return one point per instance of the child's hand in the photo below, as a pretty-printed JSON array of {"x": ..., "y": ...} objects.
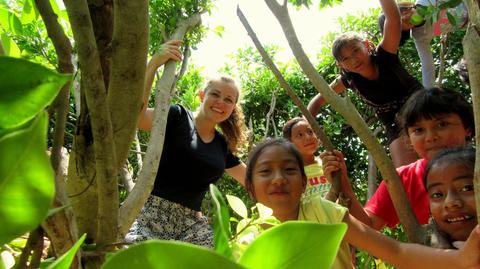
[
  {"x": 469, "y": 255},
  {"x": 333, "y": 161},
  {"x": 169, "y": 50}
]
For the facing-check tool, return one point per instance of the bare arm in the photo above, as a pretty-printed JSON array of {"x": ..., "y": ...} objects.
[
  {"x": 238, "y": 173},
  {"x": 169, "y": 50},
  {"x": 393, "y": 26},
  {"x": 411, "y": 256},
  {"x": 318, "y": 101},
  {"x": 334, "y": 161}
]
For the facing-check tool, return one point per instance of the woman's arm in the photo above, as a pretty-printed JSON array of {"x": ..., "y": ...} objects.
[
  {"x": 169, "y": 50},
  {"x": 318, "y": 101},
  {"x": 238, "y": 173},
  {"x": 392, "y": 27},
  {"x": 411, "y": 256}
]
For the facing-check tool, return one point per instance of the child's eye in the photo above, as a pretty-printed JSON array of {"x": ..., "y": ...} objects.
[
  {"x": 436, "y": 195},
  {"x": 310, "y": 132},
  {"x": 417, "y": 130},
  {"x": 263, "y": 171},
  {"x": 442, "y": 124},
  {"x": 467, "y": 188},
  {"x": 291, "y": 170}
]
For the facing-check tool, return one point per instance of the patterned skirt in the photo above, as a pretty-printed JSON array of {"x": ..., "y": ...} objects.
[{"x": 163, "y": 219}]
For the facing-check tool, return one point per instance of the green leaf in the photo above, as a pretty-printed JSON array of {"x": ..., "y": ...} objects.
[
  {"x": 26, "y": 179},
  {"x": 221, "y": 223},
  {"x": 237, "y": 205},
  {"x": 451, "y": 19},
  {"x": 29, "y": 13},
  {"x": 264, "y": 212},
  {"x": 66, "y": 259},
  {"x": 295, "y": 244},
  {"x": 55, "y": 210},
  {"x": 219, "y": 30},
  {"x": 25, "y": 89},
  {"x": 10, "y": 22},
  {"x": 159, "y": 254},
  {"x": 10, "y": 47}
]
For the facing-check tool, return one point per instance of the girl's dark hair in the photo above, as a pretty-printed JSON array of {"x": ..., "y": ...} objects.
[
  {"x": 257, "y": 151},
  {"x": 287, "y": 128},
  {"x": 434, "y": 102},
  {"x": 405, "y": 33},
  {"x": 464, "y": 156}
]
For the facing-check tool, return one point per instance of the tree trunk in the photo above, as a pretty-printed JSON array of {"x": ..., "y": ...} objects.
[
  {"x": 144, "y": 185},
  {"x": 471, "y": 47},
  {"x": 344, "y": 106}
]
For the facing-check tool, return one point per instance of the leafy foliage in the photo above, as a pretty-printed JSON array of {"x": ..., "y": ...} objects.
[{"x": 26, "y": 177}]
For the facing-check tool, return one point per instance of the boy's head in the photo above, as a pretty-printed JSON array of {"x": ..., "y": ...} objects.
[
  {"x": 448, "y": 180},
  {"x": 300, "y": 133},
  {"x": 433, "y": 102},
  {"x": 436, "y": 118}
]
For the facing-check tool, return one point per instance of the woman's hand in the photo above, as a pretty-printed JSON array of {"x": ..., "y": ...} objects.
[
  {"x": 333, "y": 161},
  {"x": 170, "y": 50}
]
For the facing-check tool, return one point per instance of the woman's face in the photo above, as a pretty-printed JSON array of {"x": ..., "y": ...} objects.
[
  {"x": 304, "y": 138},
  {"x": 219, "y": 100},
  {"x": 429, "y": 136},
  {"x": 354, "y": 57},
  {"x": 277, "y": 181},
  {"x": 452, "y": 200}
]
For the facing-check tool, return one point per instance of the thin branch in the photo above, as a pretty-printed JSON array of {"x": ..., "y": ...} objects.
[
  {"x": 345, "y": 107},
  {"x": 183, "y": 68},
  {"x": 336, "y": 184}
]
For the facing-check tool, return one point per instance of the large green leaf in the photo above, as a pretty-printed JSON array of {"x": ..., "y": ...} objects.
[
  {"x": 66, "y": 259},
  {"x": 25, "y": 89},
  {"x": 26, "y": 179},
  {"x": 169, "y": 255},
  {"x": 295, "y": 244},
  {"x": 221, "y": 223}
]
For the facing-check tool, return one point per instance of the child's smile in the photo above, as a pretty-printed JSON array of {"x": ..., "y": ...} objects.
[
  {"x": 278, "y": 182},
  {"x": 452, "y": 200}
]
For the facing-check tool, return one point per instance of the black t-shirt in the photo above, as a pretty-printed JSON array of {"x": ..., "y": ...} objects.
[
  {"x": 188, "y": 165},
  {"x": 390, "y": 91}
]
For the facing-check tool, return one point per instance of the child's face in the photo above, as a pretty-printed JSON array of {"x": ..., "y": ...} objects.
[
  {"x": 277, "y": 181},
  {"x": 452, "y": 200},
  {"x": 304, "y": 138},
  {"x": 354, "y": 57},
  {"x": 429, "y": 136}
]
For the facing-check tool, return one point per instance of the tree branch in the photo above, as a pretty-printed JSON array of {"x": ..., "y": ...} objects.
[
  {"x": 344, "y": 106},
  {"x": 96, "y": 97},
  {"x": 334, "y": 191},
  {"x": 63, "y": 48},
  {"x": 127, "y": 73},
  {"x": 144, "y": 185}
]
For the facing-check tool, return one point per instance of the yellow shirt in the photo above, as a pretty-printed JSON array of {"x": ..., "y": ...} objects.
[
  {"x": 317, "y": 184},
  {"x": 322, "y": 211}
]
